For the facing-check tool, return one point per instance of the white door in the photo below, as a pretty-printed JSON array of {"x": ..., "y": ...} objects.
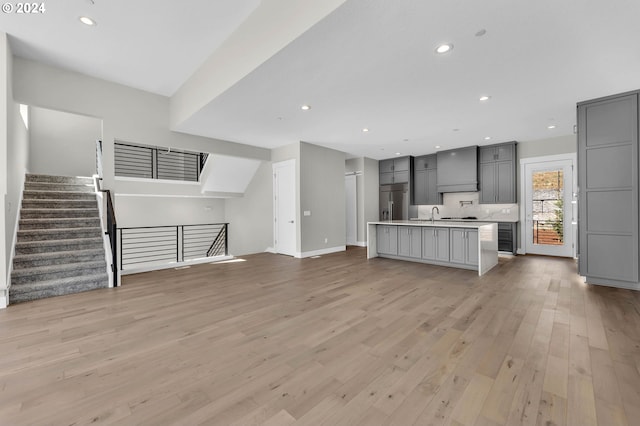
[
  {"x": 351, "y": 209},
  {"x": 548, "y": 207},
  {"x": 284, "y": 207}
]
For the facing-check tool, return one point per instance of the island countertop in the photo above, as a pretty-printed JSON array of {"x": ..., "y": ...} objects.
[{"x": 439, "y": 223}]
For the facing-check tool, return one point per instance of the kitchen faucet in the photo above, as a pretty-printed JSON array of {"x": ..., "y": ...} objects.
[{"x": 432, "y": 215}]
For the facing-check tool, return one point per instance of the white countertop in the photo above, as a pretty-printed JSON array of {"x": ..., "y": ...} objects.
[{"x": 437, "y": 223}]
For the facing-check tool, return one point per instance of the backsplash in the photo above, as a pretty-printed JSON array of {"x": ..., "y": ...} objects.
[{"x": 456, "y": 205}]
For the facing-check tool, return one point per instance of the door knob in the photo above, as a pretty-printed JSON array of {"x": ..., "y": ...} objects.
[{"x": 290, "y": 221}]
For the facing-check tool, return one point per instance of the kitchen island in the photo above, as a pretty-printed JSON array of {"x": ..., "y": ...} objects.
[{"x": 466, "y": 245}]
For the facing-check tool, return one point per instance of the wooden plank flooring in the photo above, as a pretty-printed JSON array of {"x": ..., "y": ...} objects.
[{"x": 337, "y": 340}]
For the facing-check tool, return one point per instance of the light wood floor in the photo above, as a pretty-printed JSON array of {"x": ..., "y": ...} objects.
[{"x": 336, "y": 340}]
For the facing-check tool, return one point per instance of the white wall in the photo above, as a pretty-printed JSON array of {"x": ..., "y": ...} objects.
[
  {"x": 62, "y": 143},
  {"x": 133, "y": 211},
  {"x": 128, "y": 115},
  {"x": 14, "y": 154},
  {"x": 251, "y": 216},
  {"x": 371, "y": 192},
  {"x": 322, "y": 192}
]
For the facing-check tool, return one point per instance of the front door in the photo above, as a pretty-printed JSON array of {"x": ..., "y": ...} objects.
[
  {"x": 548, "y": 199},
  {"x": 284, "y": 207}
]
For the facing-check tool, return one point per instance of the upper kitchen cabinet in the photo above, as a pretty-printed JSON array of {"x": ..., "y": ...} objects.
[
  {"x": 395, "y": 170},
  {"x": 608, "y": 243},
  {"x": 425, "y": 190},
  {"x": 498, "y": 173},
  {"x": 458, "y": 170}
]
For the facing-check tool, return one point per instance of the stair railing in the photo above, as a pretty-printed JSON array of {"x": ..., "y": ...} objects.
[
  {"x": 111, "y": 231},
  {"x": 153, "y": 247}
]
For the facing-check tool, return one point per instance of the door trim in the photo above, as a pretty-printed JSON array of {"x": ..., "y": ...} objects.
[{"x": 571, "y": 156}]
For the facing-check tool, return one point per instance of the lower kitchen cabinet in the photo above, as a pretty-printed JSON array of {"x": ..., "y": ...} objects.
[
  {"x": 435, "y": 244},
  {"x": 464, "y": 246},
  {"x": 387, "y": 237},
  {"x": 409, "y": 241}
]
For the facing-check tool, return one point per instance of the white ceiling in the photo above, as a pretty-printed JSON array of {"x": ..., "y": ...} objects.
[
  {"x": 370, "y": 63},
  {"x": 153, "y": 45}
]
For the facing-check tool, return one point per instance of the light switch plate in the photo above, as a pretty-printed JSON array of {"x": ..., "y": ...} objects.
[{"x": 307, "y": 212}]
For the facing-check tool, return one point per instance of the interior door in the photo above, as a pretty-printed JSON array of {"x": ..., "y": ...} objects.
[
  {"x": 351, "y": 209},
  {"x": 549, "y": 208},
  {"x": 284, "y": 207}
]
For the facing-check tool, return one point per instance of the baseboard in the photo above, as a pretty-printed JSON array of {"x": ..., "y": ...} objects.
[
  {"x": 4, "y": 299},
  {"x": 270, "y": 250},
  {"x": 302, "y": 255},
  {"x": 161, "y": 266},
  {"x": 361, "y": 243}
]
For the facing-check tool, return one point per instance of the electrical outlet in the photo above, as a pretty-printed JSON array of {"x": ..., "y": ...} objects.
[{"x": 307, "y": 212}]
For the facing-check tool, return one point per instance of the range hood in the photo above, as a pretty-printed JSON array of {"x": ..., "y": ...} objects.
[{"x": 458, "y": 170}]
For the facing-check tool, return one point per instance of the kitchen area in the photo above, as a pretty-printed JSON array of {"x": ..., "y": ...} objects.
[{"x": 454, "y": 208}]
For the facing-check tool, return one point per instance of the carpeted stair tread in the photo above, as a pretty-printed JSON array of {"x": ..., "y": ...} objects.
[
  {"x": 57, "y": 287},
  {"x": 58, "y": 233},
  {"x": 54, "y": 223},
  {"x": 48, "y": 203},
  {"x": 35, "y": 213},
  {"x": 22, "y": 261},
  {"x": 32, "y": 247},
  {"x": 60, "y": 270},
  {"x": 29, "y": 194},
  {"x": 58, "y": 179}
]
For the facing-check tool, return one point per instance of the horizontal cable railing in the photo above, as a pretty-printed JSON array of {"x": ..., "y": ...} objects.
[
  {"x": 157, "y": 245},
  {"x": 148, "y": 162}
]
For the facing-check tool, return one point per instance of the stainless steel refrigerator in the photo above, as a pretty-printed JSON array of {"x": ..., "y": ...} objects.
[{"x": 394, "y": 202}]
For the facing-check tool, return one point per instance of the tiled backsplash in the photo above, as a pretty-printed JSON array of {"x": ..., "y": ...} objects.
[{"x": 452, "y": 207}]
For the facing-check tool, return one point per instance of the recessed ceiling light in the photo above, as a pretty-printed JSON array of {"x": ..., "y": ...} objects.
[
  {"x": 87, "y": 21},
  {"x": 484, "y": 98},
  {"x": 398, "y": 153},
  {"x": 437, "y": 146},
  {"x": 405, "y": 140},
  {"x": 444, "y": 48},
  {"x": 481, "y": 32},
  {"x": 456, "y": 130},
  {"x": 551, "y": 126},
  {"x": 486, "y": 138},
  {"x": 305, "y": 107},
  {"x": 365, "y": 130}
]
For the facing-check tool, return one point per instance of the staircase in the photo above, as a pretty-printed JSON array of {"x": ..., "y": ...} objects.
[{"x": 59, "y": 248}]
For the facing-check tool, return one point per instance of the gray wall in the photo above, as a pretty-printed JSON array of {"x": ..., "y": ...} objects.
[
  {"x": 322, "y": 191},
  {"x": 132, "y": 211},
  {"x": 251, "y": 217},
  {"x": 62, "y": 143}
]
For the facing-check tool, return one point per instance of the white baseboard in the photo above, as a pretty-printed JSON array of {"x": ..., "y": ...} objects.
[
  {"x": 302, "y": 255},
  {"x": 361, "y": 243},
  {"x": 171, "y": 265},
  {"x": 4, "y": 299},
  {"x": 270, "y": 250}
]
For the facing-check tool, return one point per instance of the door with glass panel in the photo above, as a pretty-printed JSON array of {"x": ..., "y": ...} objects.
[{"x": 549, "y": 208}]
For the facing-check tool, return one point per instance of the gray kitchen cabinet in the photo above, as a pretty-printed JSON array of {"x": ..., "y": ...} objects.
[
  {"x": 435, "y": 244},
  {"x": 608, "y": 243},
  {"x": 458, "y": 170},
  {"x": 395, "y": 170},
  {"x": 425, "y": 189},
  {"x": 410, "y": 241},
  {"x": 464, "y": 246},
  {"x": 507, "y": 232},
  {"x": 387, "y": 239},
  {"x": 498, "y": 174}
]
